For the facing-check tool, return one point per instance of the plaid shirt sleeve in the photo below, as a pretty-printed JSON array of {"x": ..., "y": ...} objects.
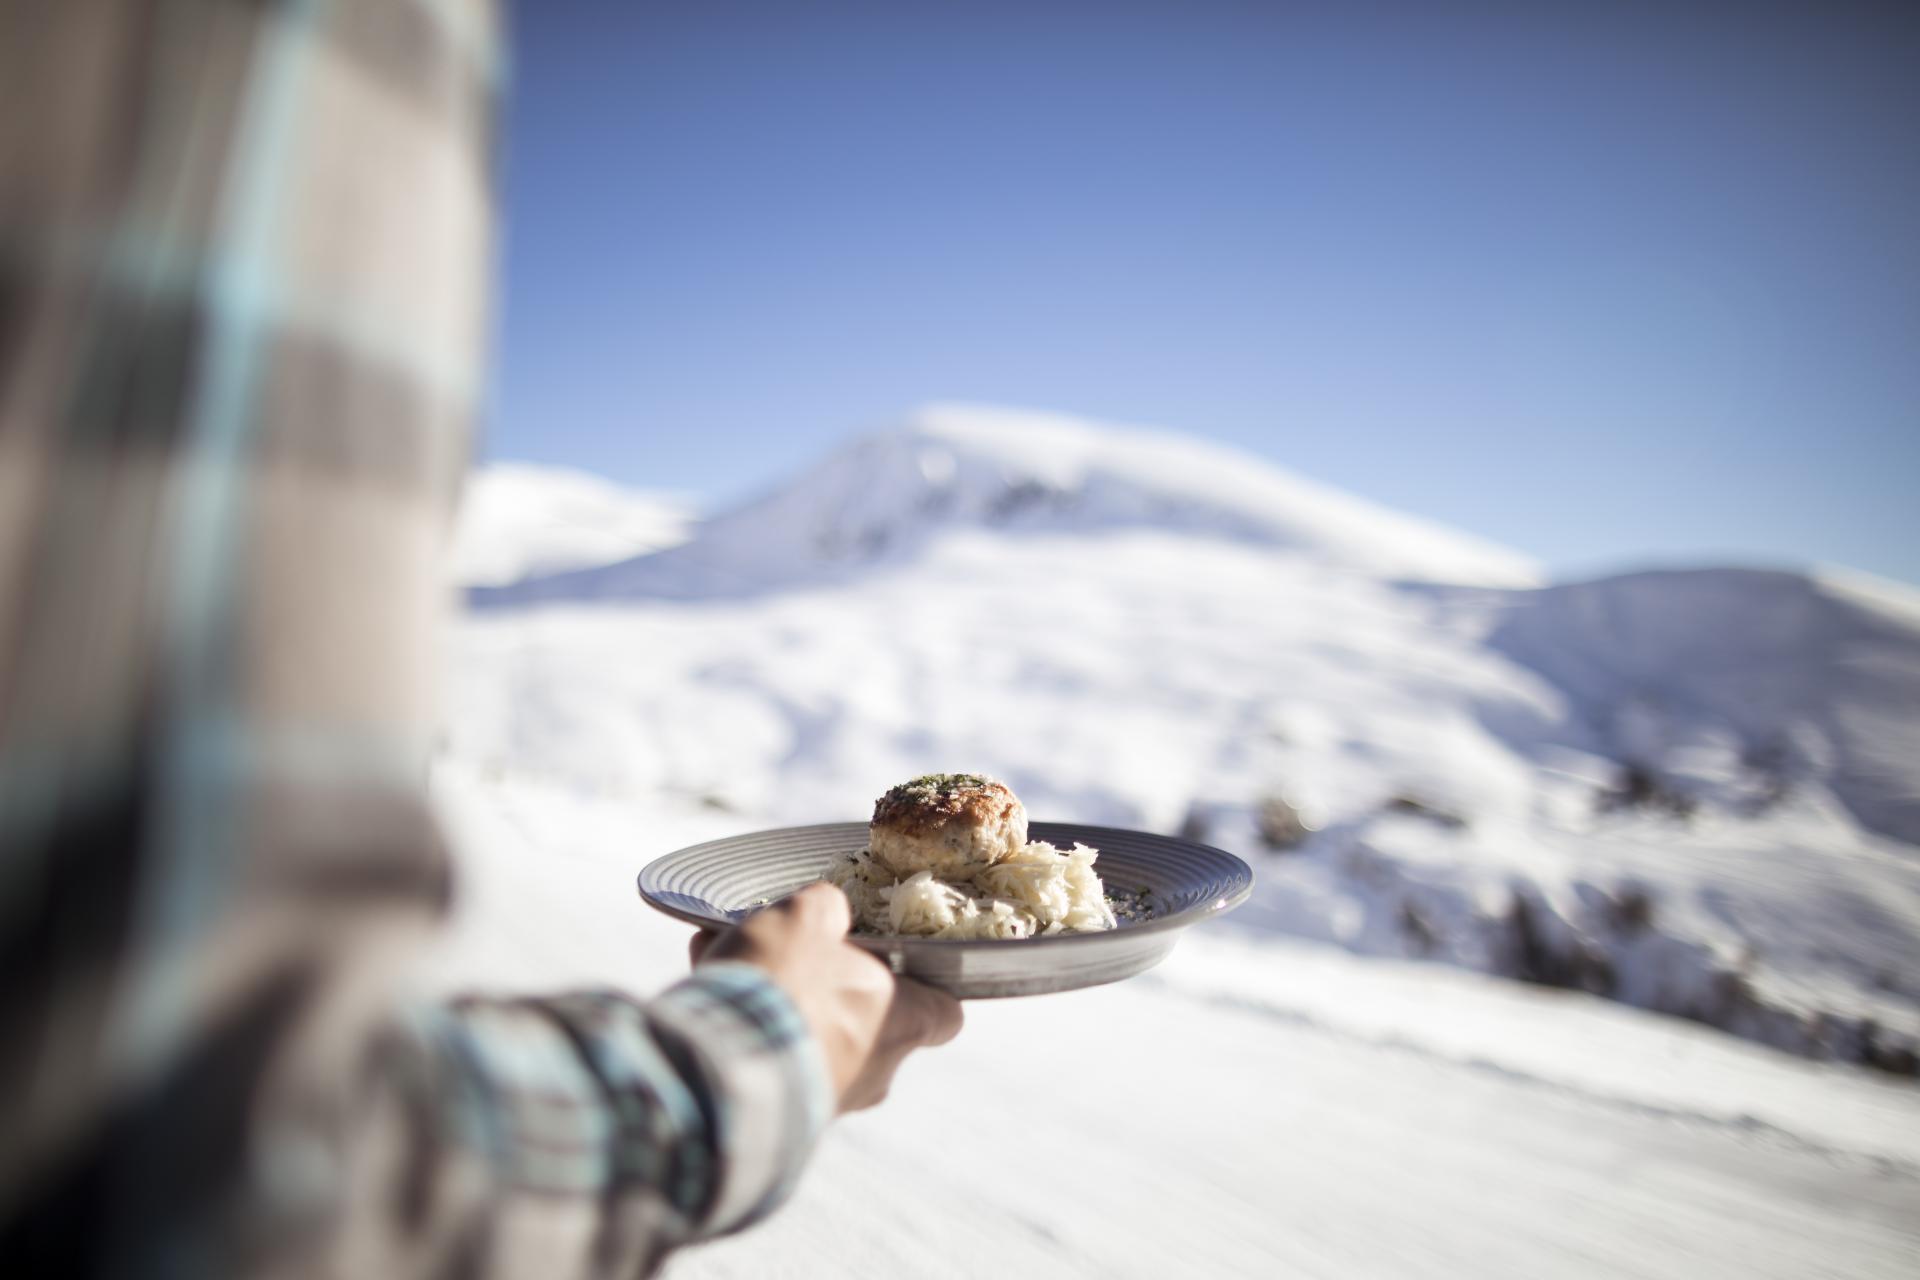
[
  {"x": 586, "y": 1126},
  {"x": 243, "y": 251}
]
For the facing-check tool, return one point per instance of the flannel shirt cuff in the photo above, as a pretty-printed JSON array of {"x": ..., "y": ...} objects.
[{"x": 765, "y": 1077}]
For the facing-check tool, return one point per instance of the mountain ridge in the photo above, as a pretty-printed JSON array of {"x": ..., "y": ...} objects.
[
  {"x": 522, "y": 520},
  {"x": 1687, "y": 790},
  {"x": 884, "y": 496}
]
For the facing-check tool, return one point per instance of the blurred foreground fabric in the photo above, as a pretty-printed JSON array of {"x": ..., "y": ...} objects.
[{"x": 243, "y": 267}]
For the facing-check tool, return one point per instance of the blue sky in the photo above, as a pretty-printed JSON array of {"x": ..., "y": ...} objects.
[{"x": 1613, "y": 285}]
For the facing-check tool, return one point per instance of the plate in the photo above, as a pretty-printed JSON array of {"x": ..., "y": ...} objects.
[{"x": 718, "y": 883}]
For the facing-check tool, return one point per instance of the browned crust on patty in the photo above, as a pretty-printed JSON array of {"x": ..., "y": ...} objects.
[{"x": 913, "y": 809}]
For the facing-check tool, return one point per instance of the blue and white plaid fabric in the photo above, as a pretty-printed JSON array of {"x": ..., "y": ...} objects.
[{"x": 243, "y": 263}]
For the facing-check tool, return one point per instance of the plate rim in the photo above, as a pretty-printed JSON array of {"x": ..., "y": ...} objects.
[{"x": 1242, "y": 890}]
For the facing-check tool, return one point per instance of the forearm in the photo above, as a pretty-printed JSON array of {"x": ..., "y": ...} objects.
[{"x": 587, "y": 1133}]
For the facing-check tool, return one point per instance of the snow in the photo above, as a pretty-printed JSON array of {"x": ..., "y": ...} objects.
[
  {"x": 1135, "y": 629},
  {"x": 1255, "y": 1107},
  {"x": 954, "y": 467},
  {"x": 1128, "y": 676},
  {"x": 520, "y": 520},
  {"x": 1729, "y": 672}
]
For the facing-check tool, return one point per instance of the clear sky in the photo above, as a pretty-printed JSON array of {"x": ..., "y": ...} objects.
[{"x": 1613, "y": 284}]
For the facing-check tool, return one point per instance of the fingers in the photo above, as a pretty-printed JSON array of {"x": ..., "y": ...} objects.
[
  {"x": 935, "y": 1017},
  {"x": 918, "y": 1016},
  {"x": 866, "y": 1020}
]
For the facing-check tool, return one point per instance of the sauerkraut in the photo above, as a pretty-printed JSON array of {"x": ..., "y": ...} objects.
[{"x": 1034, "y": 891}]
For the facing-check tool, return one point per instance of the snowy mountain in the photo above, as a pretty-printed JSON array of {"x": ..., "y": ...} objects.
[
  {"x": 884, "y": 498},
  {"x": 521, "y": 520},
  {"x": 1743, "y": 682},
  {"x": 1684, "y": 791},
  {"x": 1677, "y": 791}
]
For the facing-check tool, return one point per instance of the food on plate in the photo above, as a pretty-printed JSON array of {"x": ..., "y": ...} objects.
[
  {"x": 955, "y": 825},
  {"x": 947, "y": 856}
]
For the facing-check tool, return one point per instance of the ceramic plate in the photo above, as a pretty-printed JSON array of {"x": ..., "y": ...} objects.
[{"x": 1181, "y": 883}]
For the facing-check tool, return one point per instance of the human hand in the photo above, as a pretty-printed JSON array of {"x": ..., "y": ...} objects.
[{"x": 865, "y": 1018}]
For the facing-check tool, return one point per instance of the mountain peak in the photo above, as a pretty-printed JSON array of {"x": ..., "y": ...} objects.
[
  {"x": 1125, "y": 475},
  {"x": 954, "y": 466},
  {"x": 520, "y": 520}
]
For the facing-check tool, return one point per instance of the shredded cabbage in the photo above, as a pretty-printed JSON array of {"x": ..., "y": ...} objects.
[{"x": 1037, "y": 890}]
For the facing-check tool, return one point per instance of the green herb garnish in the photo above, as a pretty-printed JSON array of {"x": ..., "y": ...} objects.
[{"x": 946, "y": 782}]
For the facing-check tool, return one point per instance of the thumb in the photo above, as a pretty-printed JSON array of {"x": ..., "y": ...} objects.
[
  {"x": 820, "y": 907},
  {"x": 698, "y": 944}
]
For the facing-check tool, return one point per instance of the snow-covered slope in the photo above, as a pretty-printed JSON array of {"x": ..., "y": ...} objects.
[
  {"x": 881, "y": 499},
  {"x": 1163, "y": 680},
  {"x": 1677, "y": 791},
  {"x": 1690, "y": 792},
  {"x": 1738, "y": 682},
  {"x": 519, "y": 520},
  {"x": 1253, "y": 1108}
]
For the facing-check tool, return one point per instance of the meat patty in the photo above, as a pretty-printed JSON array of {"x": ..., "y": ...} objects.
[{"x": 952, "y": 824}]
